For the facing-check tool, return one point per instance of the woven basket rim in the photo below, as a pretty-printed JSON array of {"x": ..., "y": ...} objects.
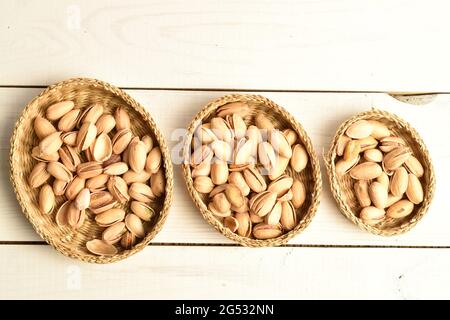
[
  {"x": 131, "y": 102},
  {"x": 306, "y": 141},
  {"x": 329, "y": 160}
]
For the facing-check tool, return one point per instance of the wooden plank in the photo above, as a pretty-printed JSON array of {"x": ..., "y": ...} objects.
[
  {"x": 229, "y": 273},
  {"x": 386, "y": 45},
  {"x": 320, "y": 113}
]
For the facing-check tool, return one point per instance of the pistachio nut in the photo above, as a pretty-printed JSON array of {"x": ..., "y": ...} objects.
[
  {"x": 352, "y": 150},
  {"x": 102, "y": 148},
  {"x": 264, "y": 231},
  {"x": 372, "y": 213},
  {"x": 201, "y": 154},
  {"x": 254, "y": 134},
  {"x": 221, "y": 129},
  {"x": 86, "y": 136},
  {"x": 114, "y": 233},
  {"x": 217, "y": 189},
  {"x": 238, "y": 107},
  {"x": 262, "y": 203},
  {"x": 91, "y": 114},
  {"x": 243, "y": 208},
  {"x": 36, "y": 154},
  {"x": 128, "y": 240},
  {"x": 399, "y": 182},
  {"x": 137, "y": 156},
  {"x": 281, "y": 185},
  {"x": 142, "y": 210},
  {"x": 216, "y": 212},
  {"x": 222, "y": 150},
  {"x": 383, "y": 178},
  {"x": 154, "y": 160},
  {"x": 238, "y": 125},
  {"x": 234, "y": 195},
  {"x": 134, "y": 225},
  {"x": 392, "y": 199},
  {"x": 274, "y": 216},
  {"x": 221, "y": 202},
  {"x": 396, "y": 158},
  {"x": 341, "y": 144},
  {"x": 378, "y": 194},
  {"x": 83, "y": 199},
  {"x": 287, "y": 196},
  {"x": 254, "y": 179},
  {"x": 118, "y": 188},
  {"x": 130, "y": 176},
  {"x": 59, "y": 187},
  {"x": 263, "y": 122},
  {"x": 69, "y": 157},
  {"x": 241, "y": 167},
  {"x": 61, "y": 214},
  {"x": 243, "y": 152},
  {"x": 414, "y": 166},
  {"x": 219, "y": 172},
  {"x": 101, "y": 201},
  {"x": 46, "y": 199},
  {"x": 57, "y": 110},
  {"x": 69, "y": 120},
  {"x": 414, "y": 191},
  {"x": 400, "y": 209},
  {"x": 122, "y": 119},
  {"x": 116, "y": 169},
  {"x": 70, "y": 138},
  {"x": 203, "y": 169},
  {"x": 101, "y": 248},
  {"x": 267, "y": 155},
  {"x": 43, "y": 127},
  {"x": 141, "y": 192},
  {"x": 105, "y": 124},
  {"x": 291, "y": 136},
  {"x": 359, "y": 130},
  {"x": 97, "y": 183},
  {"x": 59, "y": 171},
  {"x": 203, "y": 184},
  {"x": 379, "y": 130},
  {"x": 89, "y": 169},
  {"x": 280, "y": 144},
  {"x": 74, "y": 187},
  {"x": 373, "y": 155},
  {"x": 343, "y": 167},
  {"x": 288, "y": 217},
  {"x": 387, "y": 144},
  {"x": 254, "y": 218},
  {"x": 205, "y": 134},
  {"x": 110, "y": 217},
  {"x": 298, "y": 193},
  {"x": 158, "y": 183},
  {"x": 231, "y": 223},
  {"x": 244, "y": 224},
  {"x": 75, "y": 217},
  {"x": 366, "y": 171},
  {"x": 238, "y": 180},
  {"x": 362, "y": 193},
  {"x": 113, "y": 159},
  {"x": 367, "y": 143},
  {"x": 121, "y": 140},
  {"x": 299, "y": 159},
  {"x": 279, "y": 168},
  {"x": 50, "y": 144}
]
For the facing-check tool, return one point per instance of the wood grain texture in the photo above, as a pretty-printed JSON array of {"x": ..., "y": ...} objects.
[
  {"x": 319, "y": 113},
  {"x": 207, "y": 273},
  {"x": 388, "y": 45}
]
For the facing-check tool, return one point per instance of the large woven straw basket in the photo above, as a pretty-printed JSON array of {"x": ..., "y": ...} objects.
[
  {"x": 310, "y": 176},
  {"x": 83, "y": 92},
  {"x": 342, "y": 187}
]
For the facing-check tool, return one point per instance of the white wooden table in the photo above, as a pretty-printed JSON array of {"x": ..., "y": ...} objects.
[{"x": 321, "y": 60}]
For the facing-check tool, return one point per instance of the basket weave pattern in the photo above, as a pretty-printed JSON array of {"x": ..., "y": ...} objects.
[
  {"x": 310, "y": 176},
  {"x": 342, "y": 187},
  {"x": 83, "y": 92}
]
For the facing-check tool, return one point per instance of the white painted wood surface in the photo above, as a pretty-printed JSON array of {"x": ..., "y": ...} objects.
[{"x": 381, "y": 45}]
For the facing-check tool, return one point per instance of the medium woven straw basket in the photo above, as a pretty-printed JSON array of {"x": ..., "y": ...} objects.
[
  {"x": 83, "y": 92},
  {"x": 310, "y": 176},
  {"x": 342, "y": 187}
]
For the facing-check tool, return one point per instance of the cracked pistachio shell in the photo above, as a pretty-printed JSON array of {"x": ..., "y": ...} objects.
[
  {"x": 341, "y": 144},
  {"x": 221, "y": 129},
  {"x": 110, "y": 217},
  {"x": 97, "y": 183},
  {"x": 243, "y": 208},
  {"x": 75, "y": 217},
  {"x": 264, "y": 231},
  {"x": 342, "y": 166},
  {"x": 118, "y": 188},
  {"x": 86, "y": 136},
  {"x": 141, "y": 192},
  {"x": 352, "y": 150},
  {"x": 105, "y": 124},
  {"x": 89, "y": 169},
  {"x": 231, "y": 223},
  {"x": 92, "y": 113},
  {"x": 59, "y": 171},
  {"x": 74, "y": 187},
  {"x": 101, "y": 248},
  {"x": 128, "y": 240},
  {"x": 281, "y": 185},
  {"x": 134, "y": 225},
  {"x": 262, "y": 203},
  {"x": 367, "y": 143},
  {"x": 238, "y": 180},
  {"x": 267, "y": 155},
  {"x": 291, "y": 136},
  {"x": 131, "y": 177},
  {"x": 114, "y": 233},
  {"x": 83, "y": 199},
  {"x": 142, "y": 210},
  {"x": 69, "y": 157},
  {"x": 57, "y": 110},
  {"x": 359, "y": 130},
  {"x": 59, "y": 187},
  {"x": 274, "y": 216},
  {"x": 288, "y": 217},
  {"x": 219, "y": 172},
  {"x": 61, "y": 214},
  {"x": 121, "y": 140},
  {"x": 254, "y": 179},
  {"x": 101, "y": 201},
  {"x": 414, "y": 166},
  {"x": 153, "y": 161},
  {"x": 396, "y": 158},
  {"x": 244, "y": 224},
  {"x": 203, "y": 169},
  {"x": 122, "y": 119},
  {"x": 280, "y": 144},
  {"x": 113, "y": 159},
  {"x": 203, "y": 184},
  {"x": 221, "y": 203},
  {"x": 36, "y": 154},
  {"x": 379, "y": 130},
  {"x": 388, "y": 144},
  {"x": 46, "y": 199},
  {"x": 279, "y": 168},
  {"x": 238, "y": 125},
  {"x": 43, "y": 127},
  {"x": 69, "y": 120},
  {"x": 222, "y": 150},
  {"x": 50, "y": 144},
  {"x": 70, "y": 138},
  {"x": 102, "y": 148},
  {"x": 200, "y": 155},
  {"x": 216, "y": 212},
  {"x": 205, "y": 134},
  {"x": 137, "y": 156}
]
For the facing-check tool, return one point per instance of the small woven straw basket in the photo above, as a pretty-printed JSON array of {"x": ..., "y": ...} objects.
[
  {"x": 342, "y": 187},
  {"x": 310, "y": 176},
  {"x": 83, "y": 92}
]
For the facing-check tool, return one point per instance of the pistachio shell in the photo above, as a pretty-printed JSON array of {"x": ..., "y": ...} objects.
[
  {"x": 101, "y": 201},
  {"x": 142, "y": 210},
  {"x": 121, "y": 140},
  {"x": 279, "y": 168},
  {"x": 362, "y": 193},
  {"x": 102, "y": 148},
  {"x": 110, "y": 217},
  {"x": 299, "y": 158},
  {"x": 262, "y": 122},
  {"x": 372, "y": 213},
  {"x": 154, "y": 159},
  {"x": 116, "y": 169},
  {"x": 69, "y": 157},
  {"x": 367, "y": 143},
  {"x": 221, "y": 203},
  {"x": 254, "y": 218},
  {"x": 221, "y": 129},
  {"x": 238, "y": 180},
  {"x": 388, "y": 144},
  {"x": 219, "y": 172},
  {"x": 373, "y": 155},
  {"x": 262, "y": 203},
  {"x": 118, "y": 188},
  {"x": 97, "y": 183},
  {"x": 352, "y": 150},
  {"x": 378, "y": 194},
  {"x": 57, "y": 110},
  {"x": 89, "y": 169},
  {"x": 51, "y": 143},
  {"x": 61, "y": 214},
  {"x": 75, "y": 217},
  {"x": 274, "y": 216},
  {"x": 238, "y": 125},
  {"x": 237, "y": 107},
  {"x": 281, "y": 185},
  {"x": 265, "y": 231},
  {"x": 379, "y": 130},
  {"x": 341, "y": 144},
  {"x": 267, "y": 155},
  {"x": 396, "y": 158},
  {"x": 86, "y": 136},
  {"x": 36, "y": 154},
  {"x": 216, "y": 212},
  {"x": 128, "y": 240},
  {"x": 74, "y": 187},
  {"x": 280, "y": 144},
  {"x": 400, "y": 209},
  {"x": 243, "y": 208},
  {"x": 59, "y": 187},
  {"x": 231, "y": 223},
  {"x": 244, "y": 224},
  {"x": 68, "y": 121},
  {"x": 203, "y": 184},
  {"x": 414, "y": 191},
  {"x": 203, "y": 169},
  {"x": 366, "y": 171},
  {"x": 359, "y": 130},
  {"x": 101, "y": 248},
  {"x": 205, "y": 134},
  {"x": 113, "y": 159},
  {"x": 254, "y": 179},
  {"x": 414, "y": 166},
  {"x": 244, "y": 152},
  {"x": 383, "y": 178},
  {"x": 70, "y": 138},
  {"x": 105, "y": 124},
  {"x": 392, "y": 199},
  {"x": 92, "y": 113},
  {"x": 222, "y": 150},
  {"x": 83, "y": 199},
  {"x": 399, "y": 182},
  {"x": 291, "y": 136},
  {"x": 342, "y": 166},
  {"x": 288, "y": 215},
  {"x": 122, "y": 119},
  {"x": 114, "y": 233},
  {"x": 137, "y": 156},
  {"x": 141, "y": 192},
  {"x": 298, "y": 193},
  {"x": 158, "y": 183},
  {"x": 59, "y": 171},
  {"x": 43, "y": 127},
  {"x": 254, "y": 134},
  {"x": 234, "y": 195},
  {"x": 134, "y": 225},
  {"x": 130, "y": 176},
  {"x": 46, "y": 199}
]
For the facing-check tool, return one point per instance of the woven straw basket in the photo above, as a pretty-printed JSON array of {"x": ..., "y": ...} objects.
[
  {"x": 83, "y": 92},
  {"x": 310, "y": 176},
  {"x": 342, "y": 187}
]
